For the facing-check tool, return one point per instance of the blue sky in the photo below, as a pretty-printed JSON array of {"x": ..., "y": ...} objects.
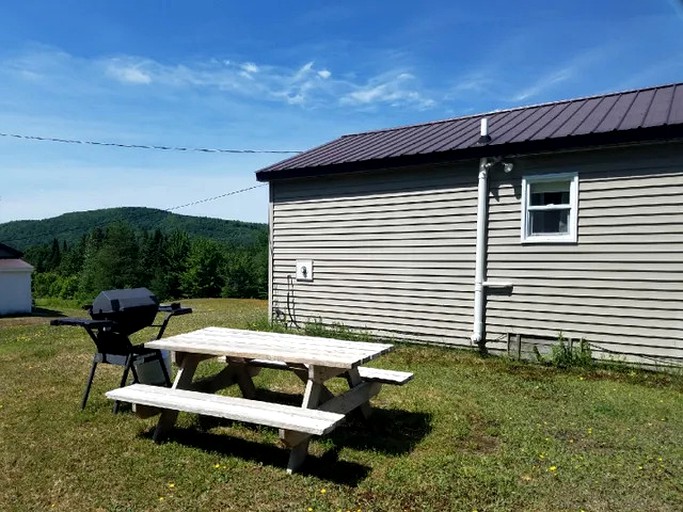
[{"x": 280, "y": 75}]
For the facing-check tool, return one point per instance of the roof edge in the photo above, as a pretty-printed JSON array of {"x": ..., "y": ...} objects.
[
  {"x": 588, "y": 141},
  {"x": 14, "y": 253}
]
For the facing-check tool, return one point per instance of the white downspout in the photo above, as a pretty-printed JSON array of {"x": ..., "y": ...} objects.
[{"x": 480, "y": 254}]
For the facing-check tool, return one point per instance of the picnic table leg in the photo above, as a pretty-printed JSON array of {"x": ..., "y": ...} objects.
[
  {"x": 243, "y": 378},
  {"x": 183, "y": 380},
  {"x": 354, "y": 379},
  {"x": 300, "y": 450}
]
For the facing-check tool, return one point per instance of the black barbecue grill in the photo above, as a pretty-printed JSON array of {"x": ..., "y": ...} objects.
[{"x": 115, "y": 315}]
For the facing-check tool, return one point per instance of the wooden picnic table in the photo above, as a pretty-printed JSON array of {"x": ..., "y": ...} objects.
[{"x": 314, "y": 360}]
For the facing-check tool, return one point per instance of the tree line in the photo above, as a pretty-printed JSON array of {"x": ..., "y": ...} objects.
[{"x": 173, "y": 265}]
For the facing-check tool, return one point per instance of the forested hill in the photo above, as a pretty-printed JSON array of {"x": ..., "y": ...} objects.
[{"x": 71, "y": 227}]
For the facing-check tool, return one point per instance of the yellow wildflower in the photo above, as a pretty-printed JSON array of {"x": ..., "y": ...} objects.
[
  {"x": 171, "y": 485},
  {"x": 323, "y": 491},
  {"x": 552, "y": 468}
]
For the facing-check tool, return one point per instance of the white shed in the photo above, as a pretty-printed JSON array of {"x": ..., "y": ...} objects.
[{"x": 15, "y": 282}]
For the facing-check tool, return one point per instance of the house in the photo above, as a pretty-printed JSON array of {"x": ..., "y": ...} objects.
[
  {"x": 491, "y": 229},
  {"x": 15, "y": 282}
]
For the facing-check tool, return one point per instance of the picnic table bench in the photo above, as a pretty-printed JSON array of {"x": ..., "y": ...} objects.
[{"x": 314, "y": 360}]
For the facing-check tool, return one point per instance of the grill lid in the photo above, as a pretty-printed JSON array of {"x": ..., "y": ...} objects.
[
  {"x": 114, "y": 301},
  {"x": 131, "y": 308}
]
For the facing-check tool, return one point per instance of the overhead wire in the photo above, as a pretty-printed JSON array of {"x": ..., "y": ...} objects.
[
  {"x": 146, "y": 146},
  {"x": 149, "y": 146}
]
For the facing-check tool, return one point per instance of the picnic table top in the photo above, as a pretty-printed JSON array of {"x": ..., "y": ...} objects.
[{"x": 291, "y": 348}]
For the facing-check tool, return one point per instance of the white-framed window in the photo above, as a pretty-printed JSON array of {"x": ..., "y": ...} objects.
[{"x": 550, "y": 204}]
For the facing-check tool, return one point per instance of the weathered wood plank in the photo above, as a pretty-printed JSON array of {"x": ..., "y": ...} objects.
[
  {"x": 366, "y": 373},
  {"x": 288, "y": 417},
  {"x": 283, "y": 347},
  {"x": 383, "y": 376}
]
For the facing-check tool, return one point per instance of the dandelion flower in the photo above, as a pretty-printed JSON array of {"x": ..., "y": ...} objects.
[
  {"x": 323, "y": 491},
  {"x": 552, "y": 468}
]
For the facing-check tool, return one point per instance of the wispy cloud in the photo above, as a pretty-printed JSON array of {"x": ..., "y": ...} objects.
[
  {"x": 677, "y": 6},
  {"x": 308, "y": 85},
  {"x": 572, "y": 70},
  {"x": 127, "y": 72},
  {"x": 250, "y": 67},
  {"x": 545, "y": 82},
  {"x": 395, "y": 90}
]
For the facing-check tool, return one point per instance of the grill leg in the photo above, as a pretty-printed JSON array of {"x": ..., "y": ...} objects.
[
  {"x": 167, "y": 377},
  {"x": 89, "y": 384},
  {"x": 129, "y": 366}
]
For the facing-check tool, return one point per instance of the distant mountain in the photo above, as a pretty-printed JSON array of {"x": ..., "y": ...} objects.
[{"x": 21, "y": 234}]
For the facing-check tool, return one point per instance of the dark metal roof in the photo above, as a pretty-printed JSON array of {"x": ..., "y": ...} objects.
[
  {"x": 655, "y": 113},
  {"x": 7, "y": 252}
]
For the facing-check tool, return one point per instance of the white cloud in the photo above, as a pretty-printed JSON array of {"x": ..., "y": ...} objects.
[
  {"x": 249, "y": 67},
  {"x": 303, "y": 86},
  {"x": 303, "y": 71},
  {"x": 545, "y": 82},
  {"x": 128, "y": 73},
  {"x": 391, "y": 90},
  {"x": 307, "y": 85},
  {"x": 572, "y": 70}
]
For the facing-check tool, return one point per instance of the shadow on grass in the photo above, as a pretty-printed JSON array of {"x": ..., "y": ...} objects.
[
  {"x": 46, "y": 312},
  {"x": 327, "y": 467},
  {"x": 388, "y": 431},
  {"x": 36, "y": 316}
]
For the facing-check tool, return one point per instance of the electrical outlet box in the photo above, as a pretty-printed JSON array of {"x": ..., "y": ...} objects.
[{"x": 304, "y": 270}]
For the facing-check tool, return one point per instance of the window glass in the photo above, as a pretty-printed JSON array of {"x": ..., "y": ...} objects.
[
  {"x": 548, "y": 222},
  {"x": 549, "y": 198}
]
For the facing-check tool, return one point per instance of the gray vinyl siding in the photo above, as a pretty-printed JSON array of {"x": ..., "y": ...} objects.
[
  {"x": 392, "y": 251},
  {"x": 621, "y": 286}
]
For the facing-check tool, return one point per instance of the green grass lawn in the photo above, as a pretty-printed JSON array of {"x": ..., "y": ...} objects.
[{"x": 469, "y": 433}]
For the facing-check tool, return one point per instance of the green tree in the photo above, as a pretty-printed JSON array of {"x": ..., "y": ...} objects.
[
  {"x": 114, "y": 264},
  {"x": 246, "y": 271},
  {"x": 202, "y": 278},
  {"x": 173, "y": 264}
]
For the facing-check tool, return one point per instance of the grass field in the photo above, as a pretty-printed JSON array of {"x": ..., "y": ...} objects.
[{"x": 469, "y": 433}]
